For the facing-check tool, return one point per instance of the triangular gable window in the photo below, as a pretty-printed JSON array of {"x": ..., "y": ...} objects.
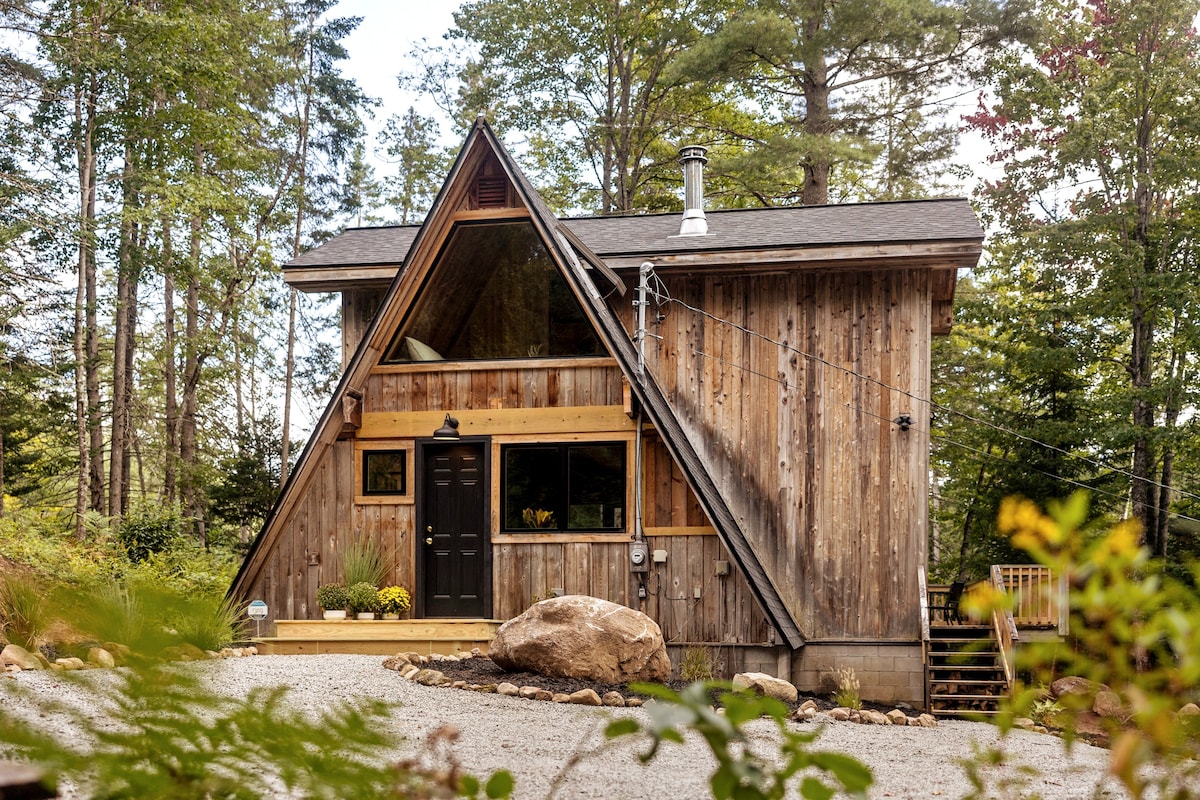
[{"x": 494, "y": 293}]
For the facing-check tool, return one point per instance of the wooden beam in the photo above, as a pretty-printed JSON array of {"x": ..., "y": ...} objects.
[
  {"x": 681, "y": 530},
  {"x": 496, "y": 421}
]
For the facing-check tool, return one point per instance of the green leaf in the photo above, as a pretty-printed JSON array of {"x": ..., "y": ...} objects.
[
  {"x": 813, "y": 789},
  {"x": 621, "y": 727},
  {"x": 500, "y": 784}
]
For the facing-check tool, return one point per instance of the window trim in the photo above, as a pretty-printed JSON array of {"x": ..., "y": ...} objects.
[
  {"x": 502, "y": 536},
  {"x": 361, "y": 449}
]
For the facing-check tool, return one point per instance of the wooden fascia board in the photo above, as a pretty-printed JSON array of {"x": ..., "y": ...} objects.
[
  {"x": 498, "y": 421},
  {"x": 899, "y": 255},
  {"x": 339, "y": 278}
]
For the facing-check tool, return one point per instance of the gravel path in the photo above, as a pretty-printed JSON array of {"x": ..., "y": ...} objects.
[{"x": 534, "y": 739}]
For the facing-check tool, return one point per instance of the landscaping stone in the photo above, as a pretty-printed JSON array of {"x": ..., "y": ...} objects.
[
  {"x": 1108, "y": 704},
  {"x": 507, "y": 689},
  {"x": 583, "y": 637},
  {"x": 586, "y": 697},
  {"x": 897, "y": 717},
  {"x": 1076, "y": 686},
  {"x": 1189, "y": 709},
  {"x": 430, "y": 677},
  {"x": 840, "y": 714},
  {"x": 99, "y": 657},
  {"x": 613, "y": 699},
  {"x": 560, "y": 697},
  {"x": 767, "y": 685},
  {"x": 19, "y": 656},
  {"x": 872, "y": 717}
]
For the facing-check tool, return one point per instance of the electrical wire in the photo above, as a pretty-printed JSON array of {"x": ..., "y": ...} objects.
[
  {"x": 665, "y": 299},
  {"x": 936, "y": 435}
]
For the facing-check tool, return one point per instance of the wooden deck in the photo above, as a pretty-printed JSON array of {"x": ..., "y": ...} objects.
[{"x": 378, "y": 637}]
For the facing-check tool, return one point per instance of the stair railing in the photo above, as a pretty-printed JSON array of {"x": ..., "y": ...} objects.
[
  {"x": 924, "y": 594},
  {"x": 1004, "y": 626}
]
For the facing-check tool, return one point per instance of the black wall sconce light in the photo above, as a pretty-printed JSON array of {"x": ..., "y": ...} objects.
[
  {"x": 904, "y": 421},
  {"x": 449, "y": 430}
]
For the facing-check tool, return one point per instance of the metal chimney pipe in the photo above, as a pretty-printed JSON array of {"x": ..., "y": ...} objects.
[{"x": 693, "y": 159}]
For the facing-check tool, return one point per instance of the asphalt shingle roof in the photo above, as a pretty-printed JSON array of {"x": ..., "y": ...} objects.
[{"x": 740, "y": 229}]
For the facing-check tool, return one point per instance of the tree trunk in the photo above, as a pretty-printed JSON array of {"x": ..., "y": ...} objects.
[
  {"x": 85, "y": 311},
  {"x": 124, "y": 322},
  {"x": 171, "y": 401},
  {"x": 817, "y": 120}
]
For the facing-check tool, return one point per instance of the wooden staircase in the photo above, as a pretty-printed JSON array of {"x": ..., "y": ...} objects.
[{"x": 964, "y": 672}]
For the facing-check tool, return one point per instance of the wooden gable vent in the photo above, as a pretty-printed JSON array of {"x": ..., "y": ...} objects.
[{"x": 490, "y": 191}]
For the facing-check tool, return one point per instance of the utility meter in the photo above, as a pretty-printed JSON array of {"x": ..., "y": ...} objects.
[{"x": 639, "y": 556}]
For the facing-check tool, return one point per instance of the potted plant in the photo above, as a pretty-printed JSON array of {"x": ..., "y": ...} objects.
[
  {"x": 332, "y": 598},
  {"x": 363, "y": 600},
  {"x": 394, "y": 601}
]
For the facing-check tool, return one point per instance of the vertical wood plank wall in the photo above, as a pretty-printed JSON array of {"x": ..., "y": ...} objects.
[
  {"x": 327, "y": 517},
  {"x": 831, "y": 494}
]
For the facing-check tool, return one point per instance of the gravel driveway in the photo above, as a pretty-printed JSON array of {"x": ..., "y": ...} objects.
[{"x": 534, "y": 740}]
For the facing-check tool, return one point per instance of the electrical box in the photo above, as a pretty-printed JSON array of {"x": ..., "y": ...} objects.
[
  {"x": 639, "y": 557},
  {"x": 660, "y": 556},
  {"x": 721, "y": 567}
]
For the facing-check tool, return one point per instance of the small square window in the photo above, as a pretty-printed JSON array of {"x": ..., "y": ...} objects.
[{"x": 385, "y": 471}]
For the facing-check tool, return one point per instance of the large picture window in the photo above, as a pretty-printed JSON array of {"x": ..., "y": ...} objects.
[
  {"x": 564, "y": 487},
  {"x": 494, "y": 293}
]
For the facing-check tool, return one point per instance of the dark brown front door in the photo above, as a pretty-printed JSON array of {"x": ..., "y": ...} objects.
[{"x": 453, "y": 533}]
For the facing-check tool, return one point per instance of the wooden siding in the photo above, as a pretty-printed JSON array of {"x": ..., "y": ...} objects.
[
  {"x": 831, "y": 494},
  {"x": 358, "y": 308},
  {"x": 524, "y": 567}
]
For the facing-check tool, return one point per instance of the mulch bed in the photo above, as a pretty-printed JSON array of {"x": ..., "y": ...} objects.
[{"x": 482, "y": 670}]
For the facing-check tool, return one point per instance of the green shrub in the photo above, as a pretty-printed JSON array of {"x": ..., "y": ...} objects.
[
  {"x": 741, "y": 772},
  {"x": 179, "y": 740},
  {"x": 696, "y": 665},
  {"x": 210, "y": 622},
  {"x": 147, "y": 530},
  {"x": 1133, "y": 628},
  {"x": 24, "y": 614},
  {"x": 332, "y": 597},
  {"x": 847, "y": 691},
  {"x": 362, "y": 562},
  {"x": 362, "y": 597}
]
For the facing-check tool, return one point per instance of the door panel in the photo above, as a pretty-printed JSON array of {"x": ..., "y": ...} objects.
[{"x": 454, "y": 529}]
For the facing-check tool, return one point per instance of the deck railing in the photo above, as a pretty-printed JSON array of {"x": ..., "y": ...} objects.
[
  {"x": 1005, "y": 626},
  {"x": 1039, "y": 599}
]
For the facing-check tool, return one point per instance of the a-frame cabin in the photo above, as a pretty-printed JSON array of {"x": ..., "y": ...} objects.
[{"x": 782, "y": 401}]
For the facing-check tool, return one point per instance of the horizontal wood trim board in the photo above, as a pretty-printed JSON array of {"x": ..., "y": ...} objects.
[
  {"x": 374, "y": 647},
  {"x": 935, "y": 255},
  {"x": 681, "y": 530},
  {"x": 486, "y": 366},
  {"x": 560, "y": 538},
  {"x": 496, "y": 421},
  {"x": 383, "y": 629}
]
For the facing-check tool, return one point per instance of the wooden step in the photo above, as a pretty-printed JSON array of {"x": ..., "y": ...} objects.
[{"x": 378, "y": 637}]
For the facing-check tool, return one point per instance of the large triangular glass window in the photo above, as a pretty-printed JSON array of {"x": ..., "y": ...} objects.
[{"x": 494, "y": 293}]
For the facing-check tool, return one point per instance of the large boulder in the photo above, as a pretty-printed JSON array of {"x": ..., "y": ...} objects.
[
  {"x": 768, "y": 685},
  {"x": 585, "y": 638}
]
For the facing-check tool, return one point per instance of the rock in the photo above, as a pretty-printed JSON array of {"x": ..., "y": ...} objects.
[
  {"x": 396, "y": 662},
  {"x": 250, "y": 651},
  {"x": 71, "y": 663},
  {"x": 458, "y": 685},
  {"x": 840, "y": 714},
  {"x": 528, "y": 692},
  {"x": 872, "y": 717},
  {"x": 99, "y": 657},
  {"x": 586, "y": 697},
  {"x": 507, "y": 689},
  {"x": 1108, "y": 704},
  {"x": 408, "y": 671},
  {"x": 560, "y": 697},
  {"x": 184, "y": 652},
  {"x": 613, "y": 699},
  {"x": 807, "y": 704},
  {"x": 583, "y": 637},
  {"x": 487, "y": 688},
  {"x": 805, "y": 713},
  {"x": 634, "y": 702},
  {"x": 15, "y": 654},
  {"x": 1189, "y": 709},
  {"x": 120, "y": 652},
  {"x": 897, "y": 717},
  {"x": 430, "y": 677},
  {"x": 1073, "y": 685},
  {"x": 924, "y": 721},
  {"x": 1024, "y": 723},
  {"x": 476, "y": 652},
  {"x": 765, "y": 684}
]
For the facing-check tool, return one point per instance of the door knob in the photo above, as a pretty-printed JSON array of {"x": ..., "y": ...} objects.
[
  {"x": 428, "y": 540},
  {"x": 429, "y": 529}
]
